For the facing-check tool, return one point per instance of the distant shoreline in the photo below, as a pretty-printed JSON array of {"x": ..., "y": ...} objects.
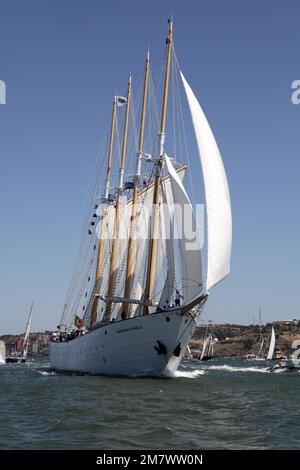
[{"x": 231, "y": 340}]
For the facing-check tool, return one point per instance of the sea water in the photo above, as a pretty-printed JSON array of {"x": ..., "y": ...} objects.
[{"x": 226, "y": 404}]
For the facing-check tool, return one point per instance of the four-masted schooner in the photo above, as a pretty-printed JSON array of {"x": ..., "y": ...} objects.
[{"x": 145, "y": 276}]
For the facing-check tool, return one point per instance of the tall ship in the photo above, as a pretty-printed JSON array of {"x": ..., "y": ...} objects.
[{"x": 143, "y": 273}]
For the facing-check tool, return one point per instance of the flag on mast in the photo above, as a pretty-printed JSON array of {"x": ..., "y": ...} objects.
[{"x": 121, "y": 100}]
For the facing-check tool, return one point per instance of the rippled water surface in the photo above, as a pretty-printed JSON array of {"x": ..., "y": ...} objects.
[{"x": 216, "y": 405}]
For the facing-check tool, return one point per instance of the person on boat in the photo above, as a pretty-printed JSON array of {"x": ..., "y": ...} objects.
[{"x": 178, "y": 296}]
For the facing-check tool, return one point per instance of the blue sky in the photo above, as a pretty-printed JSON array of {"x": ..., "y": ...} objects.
[{"x": 62, "y": 60}]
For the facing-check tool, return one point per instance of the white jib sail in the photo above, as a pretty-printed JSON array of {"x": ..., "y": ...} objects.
[
  {"x": 28, "y": 327},
  {"x": 190, "y": 248},
  {"x": 218, "y": 207},
  {"x": 27, "y": 332},
  {"x": 272, "y": 345}
]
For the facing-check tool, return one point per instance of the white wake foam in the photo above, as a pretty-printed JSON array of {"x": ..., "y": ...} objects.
[
  {"x": 239, "y": 369},
  {"x": 279, "y": 371},
  {"x": 45, "y": 372},
  {"x": 188, "y": 374}
]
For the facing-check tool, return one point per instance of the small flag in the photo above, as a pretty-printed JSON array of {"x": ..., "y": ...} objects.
[
  {"x": 121, "y": 100},
  {"x": 77, "y": 321}
]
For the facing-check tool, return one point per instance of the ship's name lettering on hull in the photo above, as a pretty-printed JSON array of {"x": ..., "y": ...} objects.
[{"x": 124, "y": 330}]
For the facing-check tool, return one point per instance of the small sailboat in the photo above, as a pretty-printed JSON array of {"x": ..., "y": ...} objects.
[
  {"x": 136, "y": 292},
  {"x": 21, "y": 356},
  {"x": 2, "y": 352},
  {"x": 188, "y": 353},
  {"x": 259, "y": 356},
  {"x": 207, "y": 351}
]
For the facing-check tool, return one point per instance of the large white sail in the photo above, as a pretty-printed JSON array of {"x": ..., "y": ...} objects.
[
  {"x": 141, "y": 246},
  {"x": 168, "y": 200},
  {"x": 272, "y": 345},
  {"x": 190, "y": 250},
  {"x": 218, "y": 207},
  {"x": 169, "y": 287}
]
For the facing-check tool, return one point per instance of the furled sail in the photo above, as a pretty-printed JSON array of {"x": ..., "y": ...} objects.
[
  {"x": 218, "y": 207},
  {"x": 190, "y": 249},
  {"x": 272, "y": 345}
]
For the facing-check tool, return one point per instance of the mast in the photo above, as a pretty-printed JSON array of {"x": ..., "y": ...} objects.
[
  {"x": 112, "y": 270},
  {"x": 135, "y": 197},
  {"x": 104, "y": 214},
  {"x": 151, "y": 267},
  {"x": 260, "y": 324}
]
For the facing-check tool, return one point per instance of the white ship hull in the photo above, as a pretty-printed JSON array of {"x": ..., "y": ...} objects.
[{"x": 148, "y": 345}]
